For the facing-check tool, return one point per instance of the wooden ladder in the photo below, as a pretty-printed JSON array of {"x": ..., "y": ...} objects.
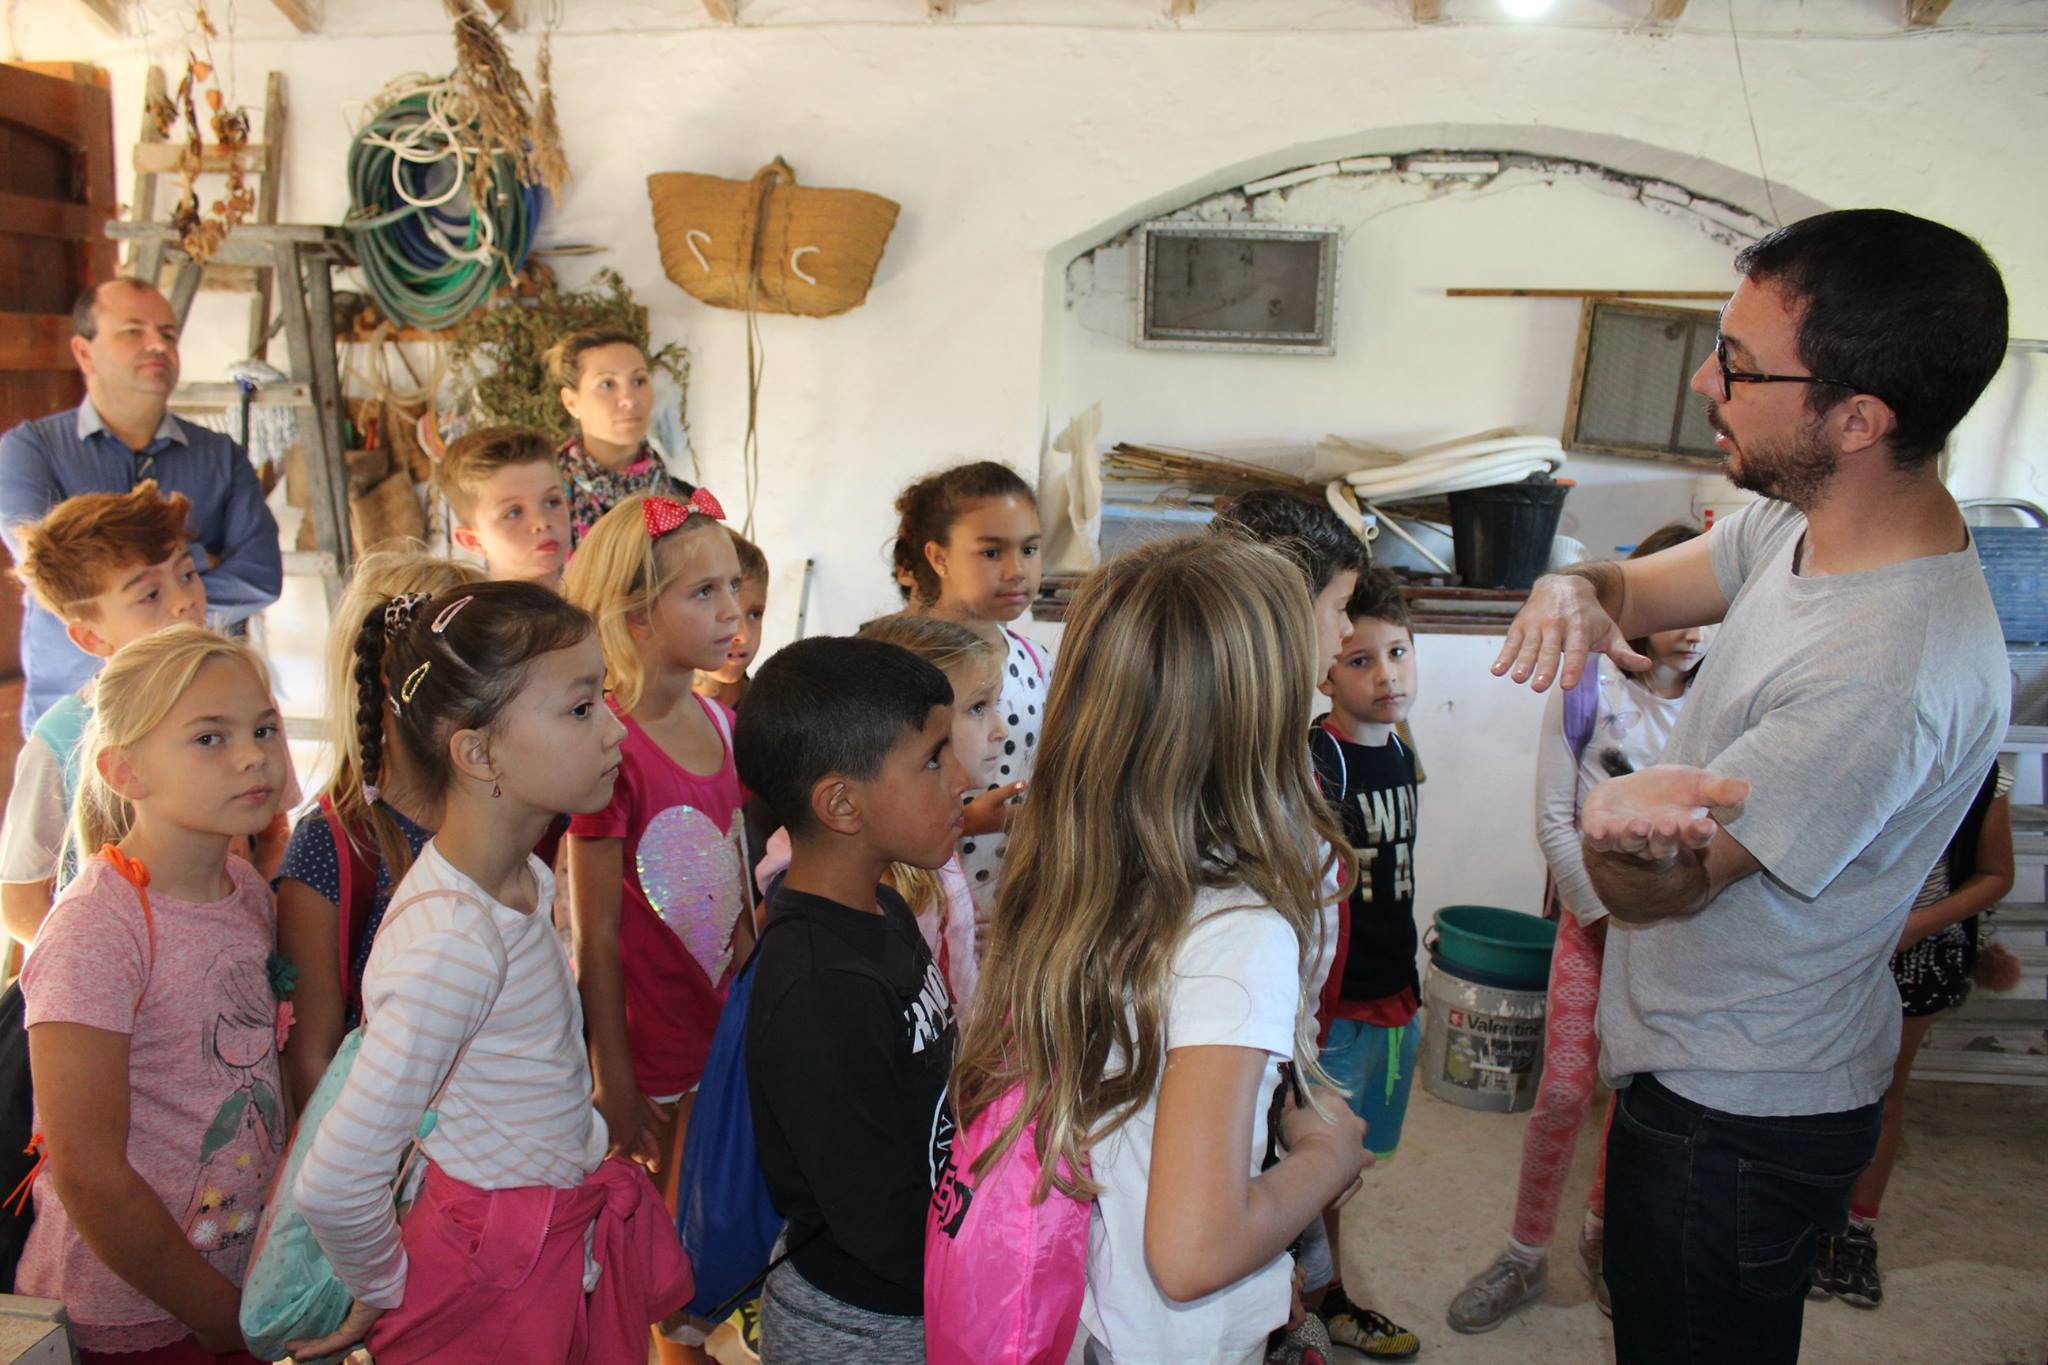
[{"x": 156, "y": 157}]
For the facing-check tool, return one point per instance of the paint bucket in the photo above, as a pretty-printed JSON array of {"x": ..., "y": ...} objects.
[
  {"x": 1482, "y": 1045},
  {"x": 1499, "y": 947}
]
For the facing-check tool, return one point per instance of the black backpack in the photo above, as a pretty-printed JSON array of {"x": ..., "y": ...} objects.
[{"x": 17, "y": 1127}]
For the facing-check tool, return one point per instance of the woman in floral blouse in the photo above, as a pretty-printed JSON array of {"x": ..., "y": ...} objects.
[{"x": 607, "y": 388}]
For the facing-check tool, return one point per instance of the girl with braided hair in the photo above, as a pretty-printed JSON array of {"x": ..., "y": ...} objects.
[
  {"x": 342, "y": 863},
  {"x": 526, "y": 1241}
]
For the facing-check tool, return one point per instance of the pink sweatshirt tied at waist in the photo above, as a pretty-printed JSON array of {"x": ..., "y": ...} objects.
[{"x": 496, "y": 1277}]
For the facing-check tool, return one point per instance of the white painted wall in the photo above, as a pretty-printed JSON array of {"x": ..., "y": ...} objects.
[{"x": 1027, "y": 131}]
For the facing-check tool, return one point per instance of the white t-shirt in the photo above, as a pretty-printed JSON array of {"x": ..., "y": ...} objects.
[{"x": 1236, "y": 983}]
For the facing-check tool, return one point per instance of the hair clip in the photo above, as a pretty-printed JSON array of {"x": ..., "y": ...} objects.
[
  {"x": 413, "y": 681},
  {"x": 447, "y": 614},
  {"x": 372, "y": 793},
  {"x": 398, "y": 612},
  {"x": 662, "y": 515}
]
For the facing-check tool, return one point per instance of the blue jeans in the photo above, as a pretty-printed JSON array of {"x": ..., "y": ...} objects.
[
  {"x": 1375, "y": 1067},
  {"x": 1713, "y": 1220}
]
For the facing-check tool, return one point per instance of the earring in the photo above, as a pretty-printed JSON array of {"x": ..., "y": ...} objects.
[{"x": 495, "y": 793}]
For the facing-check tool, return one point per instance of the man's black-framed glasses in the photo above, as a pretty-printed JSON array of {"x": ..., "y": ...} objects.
[{"x": 1731, "y": 377}]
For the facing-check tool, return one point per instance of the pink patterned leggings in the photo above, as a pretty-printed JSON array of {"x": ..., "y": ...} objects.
[{"x": 1571, "y": 1061}]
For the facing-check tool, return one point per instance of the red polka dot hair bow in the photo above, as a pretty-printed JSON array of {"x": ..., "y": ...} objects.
[{"x": 663, "y": 515}]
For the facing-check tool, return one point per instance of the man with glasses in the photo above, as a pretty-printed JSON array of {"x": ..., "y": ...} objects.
[
  {"x": 1855, "y": 697},
  {"x": 125, "y": 340}
]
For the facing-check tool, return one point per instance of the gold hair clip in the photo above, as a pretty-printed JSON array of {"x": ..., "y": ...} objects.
[
  {"x": 448, "y": 613},
  {"x": 413, "y": 681}
]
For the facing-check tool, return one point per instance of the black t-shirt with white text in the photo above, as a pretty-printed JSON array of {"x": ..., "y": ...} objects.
[
  {"x": 850, "y": 1037},
  {"x": 1373, "y": 790}
]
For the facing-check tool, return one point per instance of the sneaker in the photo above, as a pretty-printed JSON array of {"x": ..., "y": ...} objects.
[
  {"x": 1855, "y": 1280},
  {"x": 1485, "y": 1302},
  {"x": 1593, "y": 1259},
  {"x": 1370, "y": 1334},
  {"x": 1819, "y": 1287},
  {"x": 1307, "y": 1344}
]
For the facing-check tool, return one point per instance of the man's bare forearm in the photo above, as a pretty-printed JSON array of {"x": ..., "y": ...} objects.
[
  {"x": 1637, "y": 891},
  {"x": 1610, "y": 585}
]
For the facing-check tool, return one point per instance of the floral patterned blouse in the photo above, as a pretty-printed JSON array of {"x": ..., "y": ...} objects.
[{"x": 594, "y": 490}]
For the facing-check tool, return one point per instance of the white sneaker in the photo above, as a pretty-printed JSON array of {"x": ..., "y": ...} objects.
[{"x": 1487, "y": 1299}]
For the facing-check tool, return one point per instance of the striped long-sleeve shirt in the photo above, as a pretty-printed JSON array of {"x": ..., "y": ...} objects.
[{"x": 456, "y": 965}]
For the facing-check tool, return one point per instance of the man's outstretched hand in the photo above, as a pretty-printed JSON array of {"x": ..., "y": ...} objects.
[
  {"x": 1560, "y": 624},
  {"x": 1652, "y": 814}
]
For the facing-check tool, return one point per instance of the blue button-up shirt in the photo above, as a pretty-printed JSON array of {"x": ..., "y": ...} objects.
[{"x": 49, "y": 459}]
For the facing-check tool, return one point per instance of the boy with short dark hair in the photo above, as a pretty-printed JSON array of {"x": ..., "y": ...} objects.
[
  {"x": 850, "y": 1032},
  {"x": 505, "y": 487},
  {"x": 1369, "y": 775},
  {"x": 112, "y": 567}
]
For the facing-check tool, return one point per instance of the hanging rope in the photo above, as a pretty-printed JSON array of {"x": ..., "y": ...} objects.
[{"x": 439, "y": 223}]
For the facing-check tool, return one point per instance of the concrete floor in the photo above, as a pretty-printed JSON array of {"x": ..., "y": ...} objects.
[{"x": 1964, "y": 1251}]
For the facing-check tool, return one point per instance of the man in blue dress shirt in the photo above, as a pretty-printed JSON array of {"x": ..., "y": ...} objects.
[{"x": 125, "y": 340}]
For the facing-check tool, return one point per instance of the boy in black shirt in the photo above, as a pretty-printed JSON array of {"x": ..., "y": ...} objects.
[
  {"x": 1368, "y": 773},
  {"x": 850, "y": 1032}
]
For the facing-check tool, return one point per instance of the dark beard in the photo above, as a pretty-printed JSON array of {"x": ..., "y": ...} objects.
[{"x": 1794, "y": 470}]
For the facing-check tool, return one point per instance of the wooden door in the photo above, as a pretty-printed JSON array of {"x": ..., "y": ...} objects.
[{"x": 56, "y": 195}]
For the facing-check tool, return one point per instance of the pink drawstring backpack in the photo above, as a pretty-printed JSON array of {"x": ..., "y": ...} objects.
[{"x": 1003, "y": 1276}]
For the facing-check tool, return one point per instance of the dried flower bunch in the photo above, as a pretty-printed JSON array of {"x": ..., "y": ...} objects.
[{"x": 200, "y": 235}]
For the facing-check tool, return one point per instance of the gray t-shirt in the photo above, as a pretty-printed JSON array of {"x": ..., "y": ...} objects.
[{"x": 1864, "y": 709}]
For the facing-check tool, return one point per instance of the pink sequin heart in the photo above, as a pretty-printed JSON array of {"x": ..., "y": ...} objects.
[{"x": 692, "y": 876}]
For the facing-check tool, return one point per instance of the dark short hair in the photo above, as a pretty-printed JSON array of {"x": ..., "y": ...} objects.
[
  {"x": 926, "y": 511},
  {"x": 1905, "y": 309},
  {"x": 1378, "y": 597},
  {"x": 85, "y": 319},
  {"x": 829, "y": 705},
  {"x": 1301, "y": 526}
]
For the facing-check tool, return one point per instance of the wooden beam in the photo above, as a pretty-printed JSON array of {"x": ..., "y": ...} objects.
[
  {"x": 723, "y": 11},
  {"x": 1425, "y": 11},
  {"x": 1666, "y": 11},
  {"x": 112, "y": 13},
  {"x": 507, "y": 14},
  {"x": 1924, "y": 13},
  {"x": 1698, "y": 295},
  {"x": 35, "y": 341},
  {"x": 304, "y": 14},
  {"x": 163, "y": 158}
]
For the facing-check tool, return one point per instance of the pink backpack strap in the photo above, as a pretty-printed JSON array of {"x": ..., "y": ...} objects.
[{"x": 1037, "y": 659}]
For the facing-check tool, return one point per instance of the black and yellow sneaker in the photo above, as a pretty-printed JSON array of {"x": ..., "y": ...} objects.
[{"x": 1372, "y": 1335}]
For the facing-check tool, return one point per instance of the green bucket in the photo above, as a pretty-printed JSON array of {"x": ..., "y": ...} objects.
[{"x": 1504, "y": 947}]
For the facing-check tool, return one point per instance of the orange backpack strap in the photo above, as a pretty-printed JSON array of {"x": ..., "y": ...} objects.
[{"x": 137, "y": 876}]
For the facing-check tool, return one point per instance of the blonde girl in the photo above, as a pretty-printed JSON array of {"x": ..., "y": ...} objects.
[
  {"x": 372, "y": 819},
  {"x": 658, "y": 883},
  {"x": 973, "y": 664},
  {"x": 158, "y": 1152},
  {"x": 602, "y": 376},
  {"x": 497, "y": 691},
  {"x": 967, "y": 551},
  {"x": 1149, "y": 975}
]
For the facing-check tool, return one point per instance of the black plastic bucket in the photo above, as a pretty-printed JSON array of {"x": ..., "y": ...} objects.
[{"x": 1501, "y": 535}]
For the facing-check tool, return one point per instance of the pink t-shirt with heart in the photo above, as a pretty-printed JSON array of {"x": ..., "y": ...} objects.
[
  {"x": 206, "y": 1122},
  {"x": 685, "y": 890}
]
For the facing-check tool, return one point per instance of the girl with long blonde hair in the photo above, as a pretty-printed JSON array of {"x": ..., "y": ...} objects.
[
  {"x": 159, "y": 1152},
  {"x": 1147, "y": 981}
]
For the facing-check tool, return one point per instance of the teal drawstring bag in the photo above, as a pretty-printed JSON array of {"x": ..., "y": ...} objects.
[{"x": 291, "y": 1292}]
